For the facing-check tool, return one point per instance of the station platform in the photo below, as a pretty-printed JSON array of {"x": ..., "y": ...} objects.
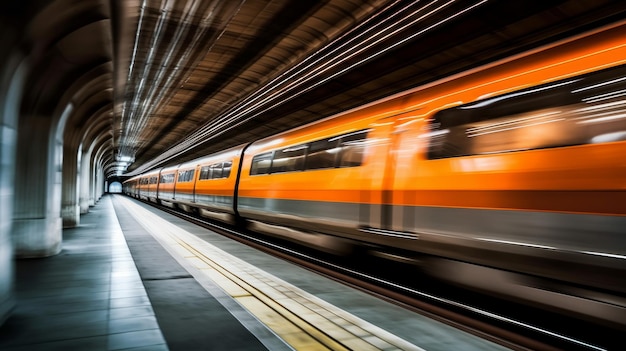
[{"x": 131, "y": 277}]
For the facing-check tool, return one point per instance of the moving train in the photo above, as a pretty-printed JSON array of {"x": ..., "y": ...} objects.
[{"x": 509, "y": 178}]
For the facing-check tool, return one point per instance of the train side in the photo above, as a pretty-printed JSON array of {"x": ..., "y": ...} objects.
[
  {"x": 166, "y": 187},
  {"x": 509, "y": 178},
  {"x": 320, "y": 179},
  {"x": 519, "y": 168},
  {"x": 509, "y": 173},
  {"x": 185, "y": 179},
  {"x": 130, "y": 187},
  {"x": 148, "y": 186},
  {"x": 206, "y": 185},
  {"x": 210, "y": 183}
]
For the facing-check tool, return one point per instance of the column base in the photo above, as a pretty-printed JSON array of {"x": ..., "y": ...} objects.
[
  {"x": 7, "y": 300},
  {"x": 84, "y": 206},
  {"x": 40, "y": 237},
  {"x": 71, "y": 216}
]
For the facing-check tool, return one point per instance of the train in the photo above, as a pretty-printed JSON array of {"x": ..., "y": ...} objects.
[{"x": 509, "y": 178}]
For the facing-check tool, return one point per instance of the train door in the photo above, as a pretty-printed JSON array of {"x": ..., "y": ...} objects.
[
  {"x": 388, "y": 217},
  {"x": 409, "y": 147},
  {"x": 151, "y": 187},
  {"x": 196, "y": 176},
  {"x": 376, "y": 213},
  {"x": 406, "y": 145},
  {"x": 174, "y": 185},
  {"x": 159, "y": 185}
]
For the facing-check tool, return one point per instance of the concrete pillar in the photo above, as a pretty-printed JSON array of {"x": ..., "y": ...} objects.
[
  {"x": 70, "y": 214},
  {"x": 84, "y": 181},
  {"x": 92, "y": 182},
  {"x": 100, "y": 182},
  {"x": 97, "y": 173},
  {"x": 37, "y": 223},
  {"x": 12, "y": 76},
  {"x": 37, "y": 220},
  {"x": 70, "y": 206}
]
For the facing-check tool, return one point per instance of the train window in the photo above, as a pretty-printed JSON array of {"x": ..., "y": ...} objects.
[
  {"x": 227, "y": 167},
  {"x": 289, "y": 160},
  {"x": 573, "y": 111},
  {"x": 352, "y": 148},
  {"x": 261, "y": 163},
  {"x": 186, "y": 176},
  {"x": 205, "y": 173},
  {"x": 216, "y": 171},
  {"x": 167, "y": 178},
  {"x": 322, "y": 154},
  {"x": 153, "y": 180}
]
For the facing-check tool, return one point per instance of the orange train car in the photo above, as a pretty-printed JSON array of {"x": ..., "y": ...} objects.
[
  {"x": 321, "y": 178},
  {"x": 207, "y": 185},
  {"x": 509, "y": 178},
  {"x": 131, "y": 187},
  {"x": 148, "y": 184},
  {"x": 515, "y": 167}
]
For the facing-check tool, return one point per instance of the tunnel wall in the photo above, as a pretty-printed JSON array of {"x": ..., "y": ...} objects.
[{"x": 12, "y": 76}]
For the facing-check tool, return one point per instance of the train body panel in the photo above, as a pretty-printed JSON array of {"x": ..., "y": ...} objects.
[
  {"x": 185, "y": 181},
  {"x": 131, "y": 187},
  {"x": 321, "y": 178},
  {"x": 215, "y": 182},
  {"x": 532, "y": 178},
  {"x": 148, "y": 186},
  {"x": 167, "y": 179}
]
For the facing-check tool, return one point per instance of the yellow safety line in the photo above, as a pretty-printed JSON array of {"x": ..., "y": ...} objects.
[
  {"x": 302, "y": 320},
  {"x": 266, "y": 301}
]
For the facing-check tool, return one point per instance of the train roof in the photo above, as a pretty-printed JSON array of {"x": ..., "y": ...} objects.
[{"x": 215, "y": 157}]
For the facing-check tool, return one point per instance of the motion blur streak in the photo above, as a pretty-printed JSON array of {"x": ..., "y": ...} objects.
[{"x": 487, "y": 178}]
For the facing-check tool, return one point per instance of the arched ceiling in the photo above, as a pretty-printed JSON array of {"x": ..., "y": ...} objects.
[{"x": 181, "y": 78}]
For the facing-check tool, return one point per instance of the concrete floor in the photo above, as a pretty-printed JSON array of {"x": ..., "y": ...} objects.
[
  {"x": 92, "y": 297},
  {"x": 115, "y": 287},
  {"x": 89, "y": 297}
]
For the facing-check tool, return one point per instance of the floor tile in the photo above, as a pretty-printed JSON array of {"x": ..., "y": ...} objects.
[
  {"x": 135, "y": 339},
  {"x": 131, "y": 312},
  {"x": 134, "y": 301},
  {"x": 132, "y": 324},
  {"x": 128, "y": 293}
]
